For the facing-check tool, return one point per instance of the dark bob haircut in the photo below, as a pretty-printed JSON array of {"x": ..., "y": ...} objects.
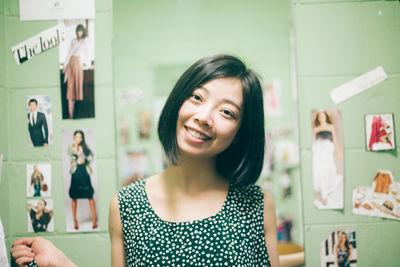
[
  {"x": 242, "y": 161},
  {"x": 81, "y": 28}
]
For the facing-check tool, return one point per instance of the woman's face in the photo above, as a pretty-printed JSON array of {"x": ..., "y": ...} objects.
[
  {"x": 40, "y": 206},
  {"x": 78, "y": 138},
  {"x": 209, "y": 120},
  {"x": 79, "y": 34},
  {"x": 342, "y": 238},
  {"x": 322, "y": 117}
]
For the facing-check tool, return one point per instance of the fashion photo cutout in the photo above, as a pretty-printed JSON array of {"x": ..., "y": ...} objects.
[
  {"x": 40, "y": 215},
  {"x": 327, "y": 159},
  {"x": 339, "y": 249},
  {"x": 79, "y": 169},
  {"x": 380, "y": 200},
  {"x": 379, "y": 132},
  {"x": 76, "y": 63},
  {"x": 40, "y": 122},
  {"x": 38, "y": 180}
]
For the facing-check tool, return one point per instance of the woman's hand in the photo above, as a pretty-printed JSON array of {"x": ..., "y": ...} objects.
[{"x": 40, "y": 249}]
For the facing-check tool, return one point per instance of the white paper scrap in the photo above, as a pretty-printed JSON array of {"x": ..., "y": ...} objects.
[
  {"x": 38, "y": 44},
  {"x": 3, "y": 250},
  {"x": 358, "y": 85}
]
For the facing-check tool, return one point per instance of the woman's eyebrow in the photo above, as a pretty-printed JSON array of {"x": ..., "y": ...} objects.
[{"x": 224, "y": 99}]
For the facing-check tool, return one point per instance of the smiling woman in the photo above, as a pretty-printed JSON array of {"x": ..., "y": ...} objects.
[{"x": 203, "y": 209}]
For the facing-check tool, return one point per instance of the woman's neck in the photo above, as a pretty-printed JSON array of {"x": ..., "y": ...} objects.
[{"x": 193, "y": 176}]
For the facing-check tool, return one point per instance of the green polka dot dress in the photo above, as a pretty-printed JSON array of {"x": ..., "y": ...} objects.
[{"x": 232, "y": 237}]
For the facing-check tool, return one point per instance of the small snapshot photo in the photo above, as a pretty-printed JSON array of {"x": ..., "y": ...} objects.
[
  {"x": 38, "y": 180},
  {"x": 339, "y": 249},
  {"x": 40, "y": 126},
  {"x": 76, "y": 66},
  {"x": 379, "y": 130},
  {"x": 79, "y": 167},
  {"x": 40, "y": 215}
]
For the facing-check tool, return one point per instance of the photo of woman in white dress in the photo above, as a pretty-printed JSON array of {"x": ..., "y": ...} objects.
[{"x": 326, "y": 152}]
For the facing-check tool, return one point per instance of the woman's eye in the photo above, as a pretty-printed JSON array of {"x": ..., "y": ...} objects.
[
  {"x": 196, "y": 97},
  {"x": 228, "y": 113}
]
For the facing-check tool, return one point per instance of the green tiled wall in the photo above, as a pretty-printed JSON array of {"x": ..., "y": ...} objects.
[{"x": 337, "y": 41}]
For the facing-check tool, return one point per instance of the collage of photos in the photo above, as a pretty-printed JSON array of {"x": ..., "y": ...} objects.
[
  {"x": 80, "y": 180},
  {"x": 38, "y": 190}
]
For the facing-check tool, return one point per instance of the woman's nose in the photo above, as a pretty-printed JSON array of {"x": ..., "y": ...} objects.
[{"x": 204, "y": 117}]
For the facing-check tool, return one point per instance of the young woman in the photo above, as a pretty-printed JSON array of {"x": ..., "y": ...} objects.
[
  {"x": 73, "y": 68},
  {"x": 343, "y": 251},
  {"x": 328, "y": 185},
  {"x": 80, "y": 170},
  {"x": 40, "y": 216},
  {"x": 36, "y": 181},
  {"x": 204, "y": 209}
]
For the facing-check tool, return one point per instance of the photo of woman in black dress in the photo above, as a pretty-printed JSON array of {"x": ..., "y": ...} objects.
[
  {"x": 39, "y": 215},
  {"x": 80, "y": 170}
]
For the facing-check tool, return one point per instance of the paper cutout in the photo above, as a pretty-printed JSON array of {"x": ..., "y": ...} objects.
[
  {"x": 40, "y": 126},
  {"x": 38, "y": 44},
  {"x": 76, "y": 68},
  {"x": 79, "y": 168},
  {"x": 339, "y": 249},
  {"x": 358, "y": 85},
  {"x": 56, "y": 9},
  {"x": 38, "y": 180},
  {"x": 379, "y": 132},
  {"x": 271, "y": 94},
  {"x": 380, "y": 200},
  {"x": 327, "y": 159},
  {"x": 40, "y": 215}
]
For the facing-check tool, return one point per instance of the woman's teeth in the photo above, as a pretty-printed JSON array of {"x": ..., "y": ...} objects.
[{"x": 197, "y": 134}]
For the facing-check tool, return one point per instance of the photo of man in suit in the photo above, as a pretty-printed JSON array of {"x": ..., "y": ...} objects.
[{"x": 37, "y": 125}]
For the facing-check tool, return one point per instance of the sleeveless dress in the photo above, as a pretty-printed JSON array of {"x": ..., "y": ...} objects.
[
  {"x": 232, "y": 237},
  {"x": 325, "y": 177}
]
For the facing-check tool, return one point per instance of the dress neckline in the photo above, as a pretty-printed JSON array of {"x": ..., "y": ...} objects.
[{"x": 207, "y": 219}]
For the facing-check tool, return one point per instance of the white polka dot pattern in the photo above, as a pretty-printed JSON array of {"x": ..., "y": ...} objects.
[{"x": 232, "y": 237}]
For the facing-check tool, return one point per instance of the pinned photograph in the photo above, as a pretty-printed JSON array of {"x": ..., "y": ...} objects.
[
  {"x": 144, "y": 123},
  {"x": 339, "y": 249},
  {"x": 80, "y": 180},
  {"x": 327, "y": 159},
  {"x": 380, "y": 200},
  {"x": 271, "y": 94},
  {"x": 40, "y": 215},
  {"x": 379, "y": 132},
  {"x": 38, "y": 180},
  {"x": 40, "y": 126},
  {"x": 76, "y": 63},
  {"x": 134, "y": 166}
]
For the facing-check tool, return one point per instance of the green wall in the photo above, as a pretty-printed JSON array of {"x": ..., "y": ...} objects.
[
  {"x": 40, "y": 75},
  {"x": 337, "y": 41}
]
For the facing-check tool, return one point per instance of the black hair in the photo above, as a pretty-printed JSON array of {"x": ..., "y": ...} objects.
[
  {"x": 32, "y": 100},
  {"x": 242, "y": 161},
  {"x": 81, "y": 28},
  {"x": 85, "y": 148}
]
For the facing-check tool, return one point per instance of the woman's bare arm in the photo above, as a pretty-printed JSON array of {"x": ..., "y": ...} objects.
[
  {"x": 270, "y": 229},
  {"x": 116, "y": 236}
]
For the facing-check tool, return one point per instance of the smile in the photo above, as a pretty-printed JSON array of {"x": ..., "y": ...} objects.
[{"x": 197, "y": 134}]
